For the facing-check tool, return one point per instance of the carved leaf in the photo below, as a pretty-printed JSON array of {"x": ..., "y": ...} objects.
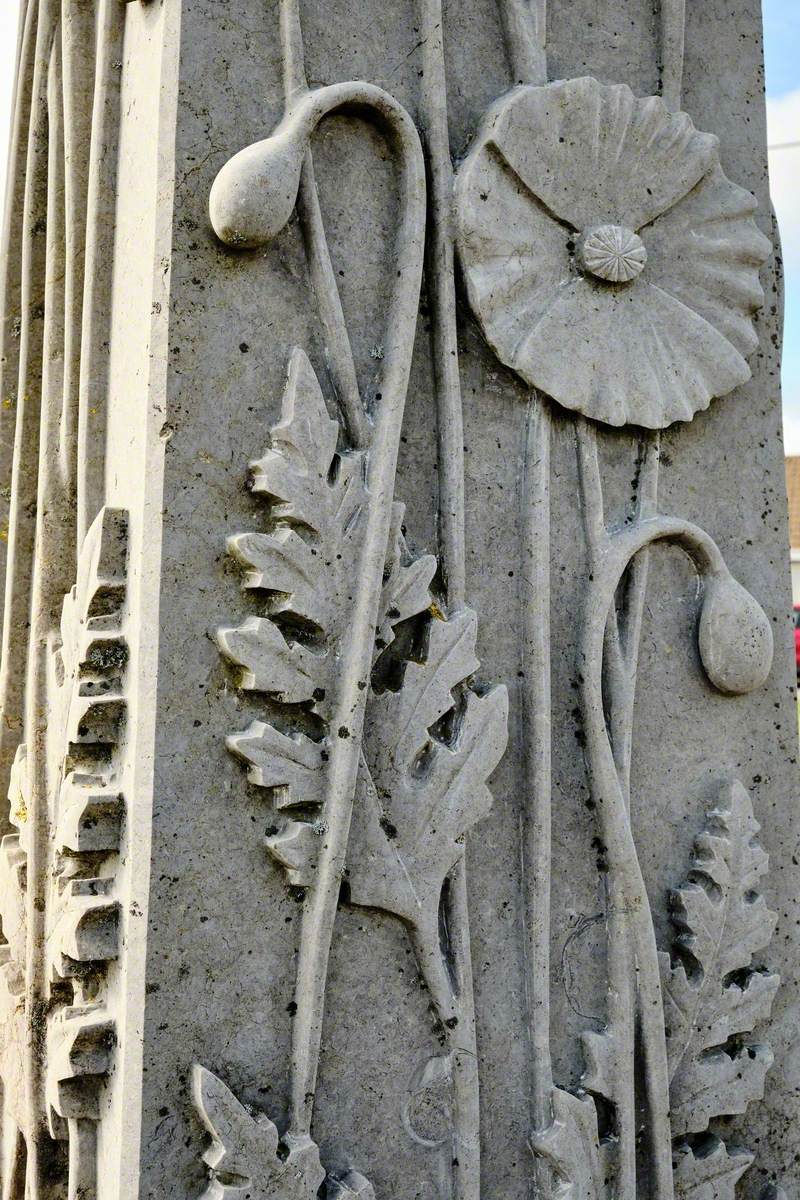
[
  {"x": 712, "y": 995},
  {"x": 244, "y": 1155},
  {"x": 406, "y": 582},
  {"x": 422, "y": 792},
  {"x": 708, "y": 1173},
  {"x": 304, "y": 562},
  {"x": 303, "y": 565},
  {"x": 290, "y": 764},
  {"x": 572, "y": 1147}
]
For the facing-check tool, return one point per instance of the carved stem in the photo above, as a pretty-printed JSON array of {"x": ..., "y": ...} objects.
[
  {"x": 535, "y": 584},
  {"x": 621, "y": 1007},
  {"x": 320, "y": 907},
  {"x": 441, "y": 285},
  {"x": 629, "y": 913},
  {"x": 623, "y": 678},
  {"x": 452, "y": 552},
  {"x": 525, "y": 29},
  {"x": 673, "y": 26},
  {"x": 338, "y": 351}
]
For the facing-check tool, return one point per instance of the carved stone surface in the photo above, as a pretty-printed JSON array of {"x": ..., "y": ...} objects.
[{"x": 398, "y": 710}]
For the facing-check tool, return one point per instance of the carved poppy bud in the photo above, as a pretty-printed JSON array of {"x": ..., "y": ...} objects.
[
  {"x": 735, "y": 637},
  {"x": 254, "y": 194}
]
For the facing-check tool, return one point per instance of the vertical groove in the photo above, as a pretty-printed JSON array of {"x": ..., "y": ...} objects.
[
  {"x": 11, "y": 271},
  {"x": 47, "y": 587},
  {"x": 19, "y": 420},
  {"x": 78, "y": 37},
  {"x": 98, "y": 267}
]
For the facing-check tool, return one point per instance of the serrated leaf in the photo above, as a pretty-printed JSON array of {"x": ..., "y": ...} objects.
[
  {"x": 708, "y": 1173},
  {"x": 284, "y": 563},
  {"x": 295, "y": 847},
  {"x": 291, "y": 764},
  {"x": 722, "y": 921},
  {"x": 269, "y": 663},
  {"x": 406, "y": 585},
  {"x": 243, "y": 1155},
  {"x": 419, "y": 795},
  {"x": 717, "y": 1083},
  {"x": 601, "y": 1054},
  {"x": 305, "y": 560},
  {"x": 397, "y": 723},
  {"x": 572, "y": 1148}
]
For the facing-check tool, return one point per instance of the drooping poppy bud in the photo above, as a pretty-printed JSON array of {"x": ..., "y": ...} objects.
[
  {"x": 253, "y": 196},
  {"x": 735, "y": 637}
]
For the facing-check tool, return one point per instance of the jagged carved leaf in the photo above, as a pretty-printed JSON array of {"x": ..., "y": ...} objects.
[
  {"x": 708, "y": 1173},
  {"x": 601, "y": 1054},
  {"x": 290, "y": 764},
  {"x": 711, "y": 992},
  {"x": 417, "y": 795},
  {"x": 244, "y": 1156},
  {"x": 304, "y": 562},
  {"x": 406, "y": 582},
  {"x": 572, "y": 1147}
]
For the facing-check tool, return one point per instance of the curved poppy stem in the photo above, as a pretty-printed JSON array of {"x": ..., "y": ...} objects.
[
  {"x": 338, "y": 350},
  {"x": 634, "y": 979},
  {"x": 319, "y": 910}
]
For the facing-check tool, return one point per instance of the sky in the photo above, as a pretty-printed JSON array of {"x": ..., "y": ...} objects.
[{"x": 782, "y": 51}]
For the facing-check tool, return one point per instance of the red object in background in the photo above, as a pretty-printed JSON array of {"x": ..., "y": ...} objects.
[{"x": 797, "y": 637}]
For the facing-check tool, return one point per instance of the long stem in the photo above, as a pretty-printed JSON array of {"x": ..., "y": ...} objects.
[
  {"x": 525, "y": 30},
  {"x": 626, "y": 649},
  {"x": 621, "y": 1014},
  {"x": 537, "y": 735},
  {"x": 452, "y": 550},
  {"x": 338, "y": 351},
  {"x": 320, "y": 906},
  {"x": 630, "y": 923},
  {"x": 673, "y": 26}
]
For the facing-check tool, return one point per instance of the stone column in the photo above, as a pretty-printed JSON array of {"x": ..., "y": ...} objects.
[{"x": 398, "y": 705}]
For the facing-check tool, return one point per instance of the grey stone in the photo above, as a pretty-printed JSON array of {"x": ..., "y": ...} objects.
[{"x": 398, "y": 706}]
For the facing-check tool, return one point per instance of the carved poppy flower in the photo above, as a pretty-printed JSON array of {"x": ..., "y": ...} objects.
[{"x": 608, "y": 258}]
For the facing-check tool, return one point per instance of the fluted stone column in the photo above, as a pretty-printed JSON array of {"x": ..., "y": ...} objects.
[{"x": 398, "y": 704}]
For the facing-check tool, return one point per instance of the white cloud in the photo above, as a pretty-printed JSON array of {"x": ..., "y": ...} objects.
[{"x": 783, "y": 125}]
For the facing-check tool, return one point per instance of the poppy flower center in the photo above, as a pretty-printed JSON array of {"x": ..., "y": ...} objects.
[{"x": 612, "y": 253}]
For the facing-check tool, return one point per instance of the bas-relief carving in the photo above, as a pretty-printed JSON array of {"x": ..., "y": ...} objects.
[
  {"x": 624, "y": 292},
  {"x": 614, "y": 268},
  {"x": 74, "y": 1031}
]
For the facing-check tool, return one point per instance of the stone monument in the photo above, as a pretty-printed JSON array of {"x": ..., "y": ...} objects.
[{"x": 398, "y": 707}]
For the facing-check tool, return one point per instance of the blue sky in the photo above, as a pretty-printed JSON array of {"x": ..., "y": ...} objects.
[
  {"x": 782, "y": 47},
  {"x": 782, "y": 53}
]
